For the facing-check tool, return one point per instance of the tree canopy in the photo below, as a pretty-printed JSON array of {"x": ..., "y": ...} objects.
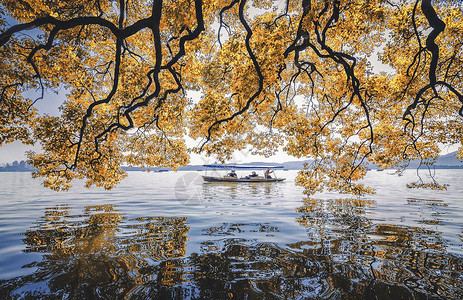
[{"x": 292, "y": 74}]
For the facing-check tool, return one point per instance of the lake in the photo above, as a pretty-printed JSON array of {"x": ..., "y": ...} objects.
[{"x": 171, "y": 236}]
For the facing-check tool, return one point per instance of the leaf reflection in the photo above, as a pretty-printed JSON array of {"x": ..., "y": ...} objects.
[
  {"x": 100, "y": 254},
  {"x": 397, "y": 262}
]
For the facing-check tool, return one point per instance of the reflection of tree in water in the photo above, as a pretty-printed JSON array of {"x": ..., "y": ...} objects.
[
  {"x": 347, "y": 256},
  {"x": 63, "y": 234},
  {"x": 99, "y": 254},
  {"x": 367, "y": 257}
]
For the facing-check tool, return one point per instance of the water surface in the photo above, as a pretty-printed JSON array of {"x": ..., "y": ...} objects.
[{"x": 169, "y": 235}]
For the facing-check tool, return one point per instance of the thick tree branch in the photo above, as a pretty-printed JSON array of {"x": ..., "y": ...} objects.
[{"x": 438, "y": 26}]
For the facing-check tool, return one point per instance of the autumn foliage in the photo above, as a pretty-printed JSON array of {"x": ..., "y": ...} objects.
[{"x": 300, "y": 75}]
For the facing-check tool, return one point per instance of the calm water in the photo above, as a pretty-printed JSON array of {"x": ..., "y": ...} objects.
[{"x": 169, "y": 235}]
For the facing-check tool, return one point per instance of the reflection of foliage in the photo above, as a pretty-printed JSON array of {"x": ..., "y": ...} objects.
[
  {"x": 346, "y": 256},
  {"x": 156, "y": 238},
  {"x": 393, "y": 258},
  {"x": 430, "y": 210},
  {"x": 99, "y": 252},
  {"x": 54, "y": 232},
  {"x": 343, "y": 211}
]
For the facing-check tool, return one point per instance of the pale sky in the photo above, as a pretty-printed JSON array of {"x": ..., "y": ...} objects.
[{"x": 14, "y": 151}]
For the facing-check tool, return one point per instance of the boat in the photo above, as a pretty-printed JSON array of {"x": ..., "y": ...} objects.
[
  {"x": 226, "y": 178},
  {"x": 233, "y": 179}
]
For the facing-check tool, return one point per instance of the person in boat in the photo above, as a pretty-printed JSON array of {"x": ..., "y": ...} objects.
[
  {"x": 267, "y": 174},
  {"x": 233, "y": 174},
  {"x": 252, "y": 175}
]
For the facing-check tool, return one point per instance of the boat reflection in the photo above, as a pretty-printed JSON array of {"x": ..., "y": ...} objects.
[
  {"x": 102, "y": 254},
  {"x": 243, "y": 190},
  {"x": 191, "y": 189}
]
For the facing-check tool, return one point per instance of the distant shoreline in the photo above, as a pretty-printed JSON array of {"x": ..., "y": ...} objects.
[
  {"x": 447, "y": 161},
  {"x": 193, "y": 168}
]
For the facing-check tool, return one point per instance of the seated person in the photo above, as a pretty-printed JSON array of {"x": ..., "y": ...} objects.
[
  {"x": 253, "y": 174},
  {"x": 232, "y": 174},
  {"x": 267, "y": 174}
]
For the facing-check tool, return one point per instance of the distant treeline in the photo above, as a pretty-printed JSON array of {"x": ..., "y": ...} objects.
[{"x": 16, "y": 166}]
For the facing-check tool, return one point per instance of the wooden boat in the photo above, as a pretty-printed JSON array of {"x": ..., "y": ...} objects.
[
  {"x": 234, "y": 179},
  {"x": 227, "y": 178}
]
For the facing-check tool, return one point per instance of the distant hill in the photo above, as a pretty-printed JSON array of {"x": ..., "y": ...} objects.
[{"x": 449, "y": 160}]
